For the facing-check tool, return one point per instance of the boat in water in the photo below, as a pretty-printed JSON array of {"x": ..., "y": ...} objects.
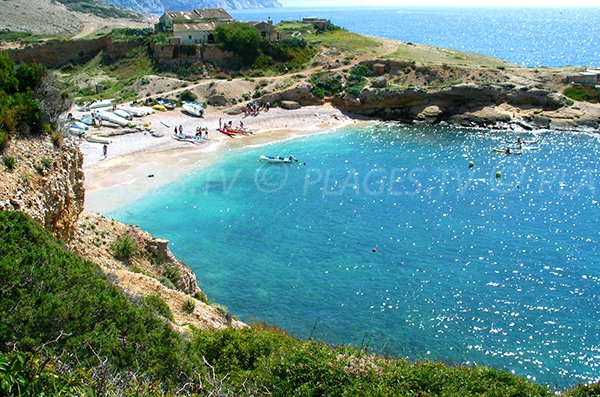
[
  {"x": 193, "y": 108},
  {"x": 507, "y": 151},
  {"x": 278, "y": 159}
]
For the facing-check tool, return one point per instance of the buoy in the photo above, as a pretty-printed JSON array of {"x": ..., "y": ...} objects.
[
  {"x": 373, "y": 249},
  {"x": 471, "y": 164},
  {"x": 147, "y": 124},
  {"x": 499, "y": 174}
]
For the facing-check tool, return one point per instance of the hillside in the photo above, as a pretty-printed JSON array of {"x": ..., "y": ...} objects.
[
  {"x": 159, "y": 6},
  {"x": 63, "y": 19}
]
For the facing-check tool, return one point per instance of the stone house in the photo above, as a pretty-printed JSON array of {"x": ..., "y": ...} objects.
[
  {"x": 197, "y": 26},
  {"x": 589, "y": 77}
]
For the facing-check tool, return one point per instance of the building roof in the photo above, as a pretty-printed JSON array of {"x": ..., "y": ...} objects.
[
  {"x": 198, "y": 15},
  {"x": 194, "y": 27}
]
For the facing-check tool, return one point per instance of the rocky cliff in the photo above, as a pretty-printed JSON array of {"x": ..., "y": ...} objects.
[{"x": 46, "y": 182}]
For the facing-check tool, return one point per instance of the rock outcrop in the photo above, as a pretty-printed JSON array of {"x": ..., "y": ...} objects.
[{"x": 46, "y": 183}]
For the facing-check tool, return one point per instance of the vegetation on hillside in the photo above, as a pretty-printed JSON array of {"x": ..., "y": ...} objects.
[
  {"x": 29, "y": 99},
  {"x": 583, "y": 93},
  {"x": 98, "y": 8},
  {"x": 70, "y": 326}
]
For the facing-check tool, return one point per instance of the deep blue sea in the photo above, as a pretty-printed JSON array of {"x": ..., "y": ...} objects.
[
  {"x": 526, "y": 36},
  {"x": 468, "y": 268}
]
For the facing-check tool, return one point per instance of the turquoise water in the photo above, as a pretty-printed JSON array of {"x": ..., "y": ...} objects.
[
  {"x": 526, "y": 36},
  {"x": 468, "y": 268}
]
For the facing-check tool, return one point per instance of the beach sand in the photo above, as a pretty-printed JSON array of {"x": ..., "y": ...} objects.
[{"x": 138, "y": 163}]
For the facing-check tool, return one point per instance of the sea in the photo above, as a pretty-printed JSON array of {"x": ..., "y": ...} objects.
[
  {"x": 525, "y": 36},
  {"x": 411, "y": 241}
]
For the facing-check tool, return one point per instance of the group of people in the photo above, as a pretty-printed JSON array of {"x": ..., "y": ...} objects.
[
  {"x": 254, "y": 108},
  {"x": 202, "y": 132},
  {"x": 229, "y": 125}
]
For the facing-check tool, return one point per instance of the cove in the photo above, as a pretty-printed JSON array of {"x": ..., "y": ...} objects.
[{"x": 467, "y": 268}]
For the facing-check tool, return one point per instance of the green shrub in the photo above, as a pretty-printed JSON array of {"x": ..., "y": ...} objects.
[
  {"x": 189, "y": 306},
  {"x": 157, "y": 305},
  {"x": 201, "y": 296},
  {"x": 326, "y": 84},
  {"x": 361, "y": 70},
  {"x": 3, "y": 141},
  {"x": 9, "y": 162},
  {"x": 582, "y": 93},
  {"x": 172, "y": 273},
  {"x": 188, "y": 96},
  {"x": 583, "y": 390},
  {"x": 125, "y": 247}
]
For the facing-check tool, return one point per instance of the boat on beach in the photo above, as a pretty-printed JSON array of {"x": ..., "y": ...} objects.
[
  {"x": 123, "y": 113},
  {"x": 85, "y": 119},
  {"x": 101, "y": 104},
  {"x": 112, "y": 118},
  {"x": 189, "y": 138},
  {"x": 193, "y": 108},
  {"x": 138, "y": 111},
  {"x": 278, "y": 159}
]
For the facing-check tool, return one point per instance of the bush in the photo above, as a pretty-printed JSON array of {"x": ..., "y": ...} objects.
[
  {"x": 3, "y": 141},
  {"x": 9, "y": 162},
  {"x": 189, "y": 306},
  {"x": 125, "y": 247},
  {"x": 157, "y": 305},
  {"x": 57, "y": 139},
  {"x": 188, "y": 96},
  {"x": 326, "y": 84},
  {"x": 361, "y": 70},
  {"x": 172, "y": 273},
  {"x": 582, "y": 93},
  {"x": 240, "y": 39}
]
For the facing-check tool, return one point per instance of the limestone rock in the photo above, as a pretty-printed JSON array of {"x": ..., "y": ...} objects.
[
  {"x": 290, "y": 105},
  {"x": 379, "y": 82}
]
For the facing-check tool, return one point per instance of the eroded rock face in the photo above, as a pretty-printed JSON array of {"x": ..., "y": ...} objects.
[
  {"x": 465, "y": 104},
  {"x": 47, "y": 184}
]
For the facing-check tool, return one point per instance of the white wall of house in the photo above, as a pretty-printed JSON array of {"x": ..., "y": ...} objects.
[{"x": 192, "y": 37}]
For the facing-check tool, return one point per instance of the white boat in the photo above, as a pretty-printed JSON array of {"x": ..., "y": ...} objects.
[
  {"x": 157, "y": 134},
  {"x": 80, "y": 125},
  {"x": 101, "y": 104},
  {"x": 194, "y": 109},
  {"x": 123, "y": 113},
  {"x": 278, "y": 159},
  {"x": 524, "y": 147},
  {"x": 84, "y": 118},
  {"x": 113, "y": 118},
  {"x": 138, "y": 111},
  {"x": 98, "y": 139}
]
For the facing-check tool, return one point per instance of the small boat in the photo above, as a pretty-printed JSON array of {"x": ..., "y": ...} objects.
[
  {"x": 97, "y": 139},
  {"x": 123, "y": 113},
  {"x": 193, "y": 108},
  {"x": 528, "y": 141},
  {"x": 226, "y": 132},
  {"x": 101, "y": 104},
  {"x": 523, "y": 147},
  {"x": 189, "y": 138},
  {"x": 167, "y": 104},
  {"x": 138, "y": 111},
  {"x": 278, "y": 159},
  {"x": 79, "y": 125},
  {"x": 113, "y": 118},
  {"x": 160, "y": 108},
  {"x": 506, "y": 151},
  {"x": 157, "y": 134},
  {"x": 85, "y": 119}
]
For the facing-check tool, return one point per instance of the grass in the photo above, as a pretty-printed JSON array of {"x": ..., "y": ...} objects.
[
  {"x": 345, "y": 41},
  {"x": 434, "y": 55},
  {"x": 28, "y": 37},
  {"x": 582, "y": 94}
]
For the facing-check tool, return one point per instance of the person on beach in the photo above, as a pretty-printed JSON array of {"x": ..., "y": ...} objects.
[
  {"x": 175, "y": 130},
  {"x": 105, "y": 150},
  {"x": 220, "y": 122},
  {"x": 241, "y": 124},
  {"x": 206, "y": 133},
  {"x": 180, "y": 129}
]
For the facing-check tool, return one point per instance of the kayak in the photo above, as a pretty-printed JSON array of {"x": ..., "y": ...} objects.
[
  {"x": 226, "y": 132},
  {"x": 97, "y": 139},
  {"x": 189, "y": 138},
  {"x": 524, "y": 148},
  {"x": 277, "y": 159},
  {"x": 160, "y": 108},
  {"x": 506, "y": 151}
]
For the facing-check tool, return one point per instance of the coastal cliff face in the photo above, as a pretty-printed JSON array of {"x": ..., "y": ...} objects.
[
  {"x": 46, "y": 182},
  {"x": 159, "y": 6}
]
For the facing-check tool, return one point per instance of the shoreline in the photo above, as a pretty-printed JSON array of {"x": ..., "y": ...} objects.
[{"x": 138, "y": 163}]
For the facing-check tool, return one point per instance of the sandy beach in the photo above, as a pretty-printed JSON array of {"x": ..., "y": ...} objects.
[{"x": 138, "y": 163}]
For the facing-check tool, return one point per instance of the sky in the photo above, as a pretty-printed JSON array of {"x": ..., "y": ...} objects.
[{"x": 443, "y": 3}]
